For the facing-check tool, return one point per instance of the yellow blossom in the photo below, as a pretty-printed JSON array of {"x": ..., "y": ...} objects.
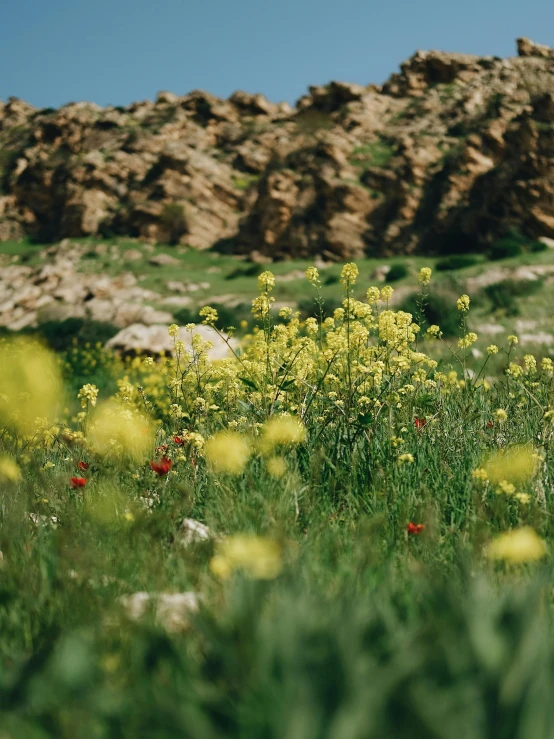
[
  {"x": 349, "y": 274},
  {"x": 501, "y": 415},
  {"x": 467, "y": 340},
  {"x": 492, "y": 349},
  {"x": 513, "y": 339},
  {"x": 424, "y": 276},
  {"x": 173, "y": 330},
  {"x": 119, "y": 430},
  {"x": 256, "y": 557},
  {"x": 312, "y": 275},
  {"x": 9, "y": 471},
  {"x": 406, "y": 458},
  {"x": 516, "y": 464},
  {"x": 506, "y": 488},
  {"x": 373, "y": 295},
  {"x": 209, "y": 315},
  {"x": 30, "y": 384},
  {"x": 281, "y": 430},
  {"x": 386, "y": 293},
  {"x": 227, "y": 452},
  {"x": 517, "y": 546},
  {"x": 276, "y": 466},
  {"x": 463, "y": 303},
  {"x": 266, "y": 281}
]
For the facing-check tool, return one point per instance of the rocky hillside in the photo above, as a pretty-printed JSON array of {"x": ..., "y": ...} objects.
[{"x": 449, "y": 154}]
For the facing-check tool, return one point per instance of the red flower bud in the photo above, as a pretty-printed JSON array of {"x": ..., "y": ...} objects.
[
  {"x": 78, "y": 482},
  {"x": 415, "y": 528}
]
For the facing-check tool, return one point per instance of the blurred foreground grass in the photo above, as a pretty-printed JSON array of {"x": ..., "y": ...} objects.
[{"x": 377, "y": 560}]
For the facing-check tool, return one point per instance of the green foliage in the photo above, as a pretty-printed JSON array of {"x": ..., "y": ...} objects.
[
  {"x": 309, "y": 307},
  {"x": 456, "y": 261},
  {"x": 513, "y": 245},
  {"x": 504, "y": 295},
  {"x": 311, "y": 121},
  {"x": 61, "y": 335},
  {"x": 375, "y": 154},
  {"x": 437, "y": 309},
  {"x": 174, "y": 219},
  {"x": 245, "y": 181},
  {"x": 228, "y": 316},
  {"x": 397, "y": 272}
]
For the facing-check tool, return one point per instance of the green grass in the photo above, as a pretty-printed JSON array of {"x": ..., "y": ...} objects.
[
  {"x": 375, "y": 154},
  {"x": 365, "y": 631}
]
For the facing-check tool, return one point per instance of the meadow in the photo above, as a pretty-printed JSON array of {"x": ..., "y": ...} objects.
[{"x": 342, "y": 531}]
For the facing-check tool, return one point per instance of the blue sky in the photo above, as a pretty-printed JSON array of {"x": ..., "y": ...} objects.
[{"x": 117, "y": 51}]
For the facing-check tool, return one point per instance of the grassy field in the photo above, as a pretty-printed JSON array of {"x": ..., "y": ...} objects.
[{"x": 377, "y": 560}]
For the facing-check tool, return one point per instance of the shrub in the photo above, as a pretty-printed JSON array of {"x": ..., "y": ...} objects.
[
  {"x": 504, "y": 249},
  {"x": 456, "y": 261},
  {"x": 249, "y": 270},
  {"x": 174, "y": 219},
  {"x": 308, "y": 307},
  {"x": 503, "y": 295},
  {"x": 438, "y": 309},
  {"x": 397, "y": 272},
  {"x": 61, "y": 335},
  {"x": 514, "y": 244},
  {"x": 227, "y": 316}
]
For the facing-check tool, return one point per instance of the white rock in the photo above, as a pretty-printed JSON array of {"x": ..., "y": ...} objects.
[
  {"x": 141, "y": 339},
  {"x": 193, "y": 531},
  {"x": 541, "y": 337},
  {"x": 163, "y": 260},
  {"x": 172, "y": 610}
]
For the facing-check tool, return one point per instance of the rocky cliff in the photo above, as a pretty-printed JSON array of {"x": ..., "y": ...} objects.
[{"x": 449, "y": 154}]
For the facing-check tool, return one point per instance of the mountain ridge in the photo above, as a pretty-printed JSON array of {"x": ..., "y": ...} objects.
[{"x": 449, "y": 154}]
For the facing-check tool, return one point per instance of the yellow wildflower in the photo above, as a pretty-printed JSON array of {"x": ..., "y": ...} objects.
[
  {"x": 386, "y": 293},
  {"x": 349, "y": 274},
  {"x": 227, "y": 452},
  {"x": 257, "y": 557},
  {"x": 9, "y": 471},
  {"x": 424, "y": 276},
  {"x": 517, "y": 546},
  {"x": 312, "y": 275},
  {"x": 463, "y": 303},
  {"x": 282, "y": 430},
  {"x": 276, "y": 466}
]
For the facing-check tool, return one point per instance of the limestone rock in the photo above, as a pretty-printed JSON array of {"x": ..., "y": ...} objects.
[
  {"x": 171, "y": 610},
  {"x": 526, "y": 48},
  {"x": 193, "y": 532},
  {"x": 154, "y": 340},
  {"x": 454, "y": 149}
]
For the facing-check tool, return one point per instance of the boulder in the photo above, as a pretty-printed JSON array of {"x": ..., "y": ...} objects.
[{"x": 155, "y": 340}]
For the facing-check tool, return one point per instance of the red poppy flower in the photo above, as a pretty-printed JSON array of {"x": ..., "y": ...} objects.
[
  {"x": 490, "y": 424},
  {"x": 78, "y": 482},
  {"x": 162, "y": 467},
  {"x": 162, "y": 449},
  {"x": 179, "y": 440},
  {"x": 420, "y": 423},
  {"x": 82, "y": 465},
  {"x": 415, "y": 528}
]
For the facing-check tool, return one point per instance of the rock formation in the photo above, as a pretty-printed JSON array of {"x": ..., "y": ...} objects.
[{"x": 448, "y": 154}]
